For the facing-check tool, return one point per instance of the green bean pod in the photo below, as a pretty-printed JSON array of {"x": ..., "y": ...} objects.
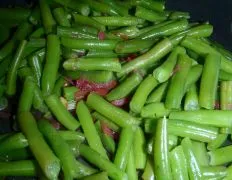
[
  {"x": 154, "y": 110},
  {"x": 178, "y": 164},
  {"x": 218, "y": 142},
  {"x": 225, "y": 95},
  {"x": 36, "y": 66},
  {"x": 130, "y": 167},
  {"x": 89, "y": 64},
  {"x": 191, "y": 101},
  {"x": 200, "y": 151},
  {"x": 162, "y": 168},
  {"x": 139, "y": 98},
  {"x": 61, "y": 17},
  {"x": 214, "y": 172}
]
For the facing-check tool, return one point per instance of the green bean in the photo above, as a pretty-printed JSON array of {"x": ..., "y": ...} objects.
[
  {"x": 61, "y": 17},
  {"x": 86, "y": 28},
  {"x": 192, "y": 130},
  {"x": 47, "y": 18},
  {"x": 16, "y": 155},
  {"x": 178, "y": 164},
  {"x": 225, "y": 95},
  {"x": 139, "y": 98},
  {"x": 125, "y": 88},
  {"x": 157, "y": 94},
  {"x": 218, "y": 142},
  {"x": 102, "y": 163},
  {"x": 118, "y": 21},
  {"x": 154, "y": 110},
  {"x": 151, "y": 57},
  {"x": 89, "y": 44},
  {"x": 71, "y": 135},
  {"x": 14, "y": 15},
  {"x": 167, "y": 30},
  {"x": 193, "y": 166},
  {"x": 125, "y": 33},
  {"x": 102, "y": 7},
  {"x": 90, "y": 131},
  {"x": 203, "y": 49},
  {"x": 162, "y": 167},
  {"x": 36, "y": 43},
  {"x": 121, "y": 10},
  {"x": 74, "y": 33},
  {"x": 131, "y": 46},
  {"x": 69, "y": 53},
  {"x": 124, "y": 147},
  {"x": 5, "y": 135},
  {"x": 139, "y": 153},
  {"x": 120, "y": 117},
  {"x": 217, "y": 118},
  {"x": 191, "y": 99},
  {"x": 51, "y": 65},
  {"x": 179, "y": 15},
  {"x": 149, "y": 15},
  {"x": 89, "y": 64},
  {"x": 12, "y": 73},
  {"x": 208, "y": 84},
  {"x": 36, "y": 66},
  {"x": 13, "y": 142},
  {"x": 175, "y": 91},
  {"x": 60, "y": 147},
  {"x": 48, "y": 162},
  {"x": 69, "y": 92},
  {"x": 148, "y": 173},
  {"x": 225, "y": 76},
  {"x": 216, "y": 172},
  {"x": 18, "y": 168},
  {"x": 106, "y": 121},
  {"x": 74, "y": 147},
  {"x": 26, "y": 97},
  {"x": 101, "y": 175},
  {"x": 164, "y": 71},
  {"x": 220, "y": 156},
  {"x": 153, "y": 5},
  {"x": 200, "y": 152},
  {"x": 107, "y": 140},
  {"x": 38, "y": 33},
  {"x": 59, "y": 85},
  {"x": 88, "y": 21},
  {"x": 99, "y": 53},
  {"x": 61, "y": 113},
  {"x": 130, "y": 167},
  {"x": 193, "y": 76}
]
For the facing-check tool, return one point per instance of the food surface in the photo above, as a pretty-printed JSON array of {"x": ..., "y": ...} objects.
[{"x": 110, "y": 89}]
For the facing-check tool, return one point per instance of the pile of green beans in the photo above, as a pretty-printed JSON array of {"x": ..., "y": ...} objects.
[{"x": 111, "y": 89}]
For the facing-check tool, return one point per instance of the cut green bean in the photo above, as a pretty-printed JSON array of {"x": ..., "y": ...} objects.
[
  {"x": 157, "y": 94},
  {"x": 19, "y": 168},
  {"x": 209, "y": 81},
  {"x": 47, "y": 18},
  {"x": 89, "y": 44},
  {"x": 120, "y": 117},
  {"x": 140, "y": 156},
  {"x": 60, "y": 147},
  {"x": 61, "y": 17},
  {"x": 101, "y": 175},
  {"x": 200, "y": 152},
  {"x": 191, "y": 101},
  {"x": 61, "y": 113},
  {"x": 148, "y": 173},
  {"x": 125, "y": 87},
  {"x": 142, "y": 92},
  {"x": 217, "y": 118},
  {"x": 90, "y": 131},
  {"x": 58, "y": 86},
  {"x": 51, "y": 65},
  {"x": 164, "y": 72},
  {"x": 89, "y": 64},
  {"x": 193, "y": 166},
  {"x": 36, "y": 66},
  {"x": 48, "y": 162},
  {"x": 130, "y": 167},
  {"x": 154, "y": 110},
  {"x": 132, "y": 46},
  {"x": 218, "y": 142},
  {"x": 192, "y": 130},
  {"x": 12, "y": 73},
  {"x": 151, "y": 57},
  {"x": 149, "y": 15},
  {"x": 104, "y": 164},
  {"x": 162, "y": 168},
  {"x": 175, "y": 91},
  {"x": 215, "y": 172},
  {"x": 225, "y": 95},
  {"x": 88, "y": 21},
  {"x": 178, "y": 164},
  {"x": 124, "y": 147}
]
